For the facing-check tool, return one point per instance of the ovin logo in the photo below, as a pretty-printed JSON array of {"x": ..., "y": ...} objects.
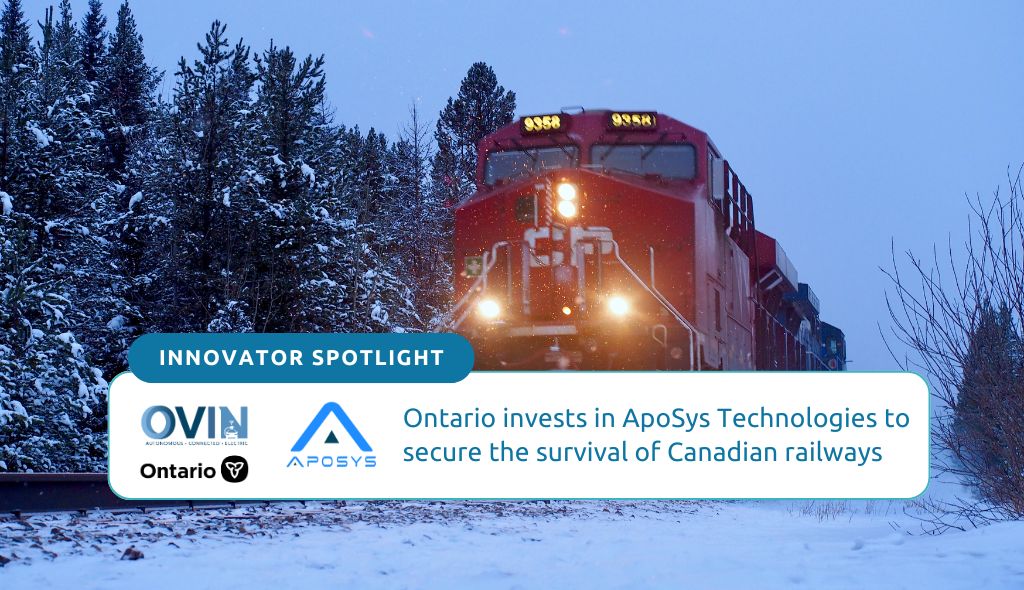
[
  {"x": 160, "y": 422},
  {"x": 327, "y": 459}
]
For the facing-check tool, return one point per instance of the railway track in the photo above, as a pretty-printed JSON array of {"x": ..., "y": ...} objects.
[{"x": 74, "y": 492}]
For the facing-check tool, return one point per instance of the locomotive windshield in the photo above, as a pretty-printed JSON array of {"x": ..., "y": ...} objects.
[
  {"x": 672, "y": 161},
  {"x": 512, "y": 164}
]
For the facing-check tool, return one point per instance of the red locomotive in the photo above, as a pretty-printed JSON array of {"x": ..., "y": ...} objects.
[{"x": 623, "y": 240}]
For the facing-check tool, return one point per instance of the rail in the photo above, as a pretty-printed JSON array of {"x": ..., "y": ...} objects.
[{"x": 76, "y": 492}]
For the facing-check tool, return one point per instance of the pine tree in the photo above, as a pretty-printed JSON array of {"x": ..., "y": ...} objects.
[
  {"x": 72, "y": 200},
  {"x": 66, "y": 55},
  {"x": 291, "y": 250},
  {"x": 196, "y": 180},
  {"x": 381, "y": 299},
  {"x": 93, "y": 42},
  {"x": 129, "y": 116},
  {"x": 126, "y": 91},
  {"x": 52, "y": 401},
  {"x": 51, "y": 395},
  {"x": 425, "y": 224},
  {"x": 17, "y": 62},
  {"x": 990, "y": 406},
  {"x": 481, "y": 107}
]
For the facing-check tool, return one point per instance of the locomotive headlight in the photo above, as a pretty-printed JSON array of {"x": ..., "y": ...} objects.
[
  {"x": 567, "y": 194},
  {"x": 618, "y": 305},
  {"x": 489, "y": 309},
  {"x": 566, "y": 191},
  {"x": 567, "y": 209}
]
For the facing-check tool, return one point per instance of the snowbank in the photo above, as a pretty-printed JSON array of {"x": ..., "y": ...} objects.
[{"x": 504, "y": 545}]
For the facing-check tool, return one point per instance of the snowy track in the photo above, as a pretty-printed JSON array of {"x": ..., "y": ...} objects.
[{"x": 505, "y": 545}]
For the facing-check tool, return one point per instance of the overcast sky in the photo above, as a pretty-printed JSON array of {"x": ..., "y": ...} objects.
[{"x": 852, "y": 123}]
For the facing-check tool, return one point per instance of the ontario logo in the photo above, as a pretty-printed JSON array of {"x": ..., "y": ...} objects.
[
  {"x": 223, "y": 426},
  {"x": 325, "y": 449}
]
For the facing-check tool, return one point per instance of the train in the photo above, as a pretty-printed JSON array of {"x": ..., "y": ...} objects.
[{"x": 624, "y": 240}]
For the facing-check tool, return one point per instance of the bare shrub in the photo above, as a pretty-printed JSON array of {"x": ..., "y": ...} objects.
[{"x": 960, "y": 317}]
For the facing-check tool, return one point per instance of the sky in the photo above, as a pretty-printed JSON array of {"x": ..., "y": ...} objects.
[{"x": 855, "y": 125}]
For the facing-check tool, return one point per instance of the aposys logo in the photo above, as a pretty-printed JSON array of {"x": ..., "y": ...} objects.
[
  {"x": 322, "y": 451},
  {"x": 234, "y": 469}
]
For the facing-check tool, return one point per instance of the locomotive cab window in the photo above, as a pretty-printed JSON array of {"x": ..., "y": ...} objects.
[
  {"x": 668, "y": 161},
  {"x": 514, "y": 164}
]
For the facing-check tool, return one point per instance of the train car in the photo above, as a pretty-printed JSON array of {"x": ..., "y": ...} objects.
[{"x": 623, "y": 240}]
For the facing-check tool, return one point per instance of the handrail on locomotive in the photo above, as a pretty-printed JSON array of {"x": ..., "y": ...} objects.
[{"x": 490, "y": 258}]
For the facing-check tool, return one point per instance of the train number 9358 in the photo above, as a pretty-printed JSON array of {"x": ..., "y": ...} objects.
[
  {"x": 633, "y": 121},
  {"x": 542, "y": 123}
]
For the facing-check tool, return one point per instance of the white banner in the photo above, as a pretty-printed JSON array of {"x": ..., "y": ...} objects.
[{"x": 526, "y": 435}]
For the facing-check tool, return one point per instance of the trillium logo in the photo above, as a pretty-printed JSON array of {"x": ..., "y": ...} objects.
[
  {"x": 322, "y": 456},
  {"x": 234, "y": 469}
]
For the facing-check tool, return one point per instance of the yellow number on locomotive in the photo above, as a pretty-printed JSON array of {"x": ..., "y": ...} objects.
[
  {"x": 634, "y": 120},
  {"x": 541, "y": 123}
]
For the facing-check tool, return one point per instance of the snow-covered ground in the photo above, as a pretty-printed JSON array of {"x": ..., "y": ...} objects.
[{"x": 508, "y": 545}]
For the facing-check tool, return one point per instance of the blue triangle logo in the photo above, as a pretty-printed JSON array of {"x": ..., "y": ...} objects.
[{"x": 350, "y": 427}]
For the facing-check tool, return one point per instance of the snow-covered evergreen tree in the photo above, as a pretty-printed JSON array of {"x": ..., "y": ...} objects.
[
  {"x": 298, "y": 289},
  {"x": 238, "y": 205},
  {"x": 93, "y": 42},
  {"x": 481, "y": 107},
  {"x": 424, "y": 223},
  {"x": 126, "y": 91},
  {"x": 72, "y": 198},
  {"x": 380, "y": 296},
  {"x": 52, "y": 398},
  {"x": 125, "y": 107},
  {"x": 17, "y": 63},
  {"x": 193, "y": 176}
]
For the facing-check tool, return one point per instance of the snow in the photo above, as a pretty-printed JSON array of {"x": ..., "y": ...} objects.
[
  {"x": 508, "y": 545},
  {"x": 378, "y": 313},
  {"x": 308, "y": 173},
  {"x": 134, "y": 200},
  {"x": 7, "y": 201},
  {"x": 117, "y": 323},
  {"x": 41, "y": 137},
  {"x": 69, "y": 339}
]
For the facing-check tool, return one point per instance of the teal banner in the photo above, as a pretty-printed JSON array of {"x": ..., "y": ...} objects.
[{"x": 301, "y": 358}]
